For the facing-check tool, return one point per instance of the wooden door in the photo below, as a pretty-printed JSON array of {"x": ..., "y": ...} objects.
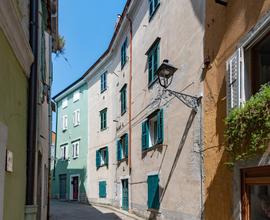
[
  {"x": 256, "y": 193},
  {"x": 125, "y": 198},
  {"x": 75, "y": 187},
  {"x": 62, "y": 186}
]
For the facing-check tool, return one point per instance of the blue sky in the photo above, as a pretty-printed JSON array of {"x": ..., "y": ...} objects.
[{"x": 87, "y": 26}]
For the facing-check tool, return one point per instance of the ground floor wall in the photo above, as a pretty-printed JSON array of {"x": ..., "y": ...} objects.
[{"x": 13, "y": 115}]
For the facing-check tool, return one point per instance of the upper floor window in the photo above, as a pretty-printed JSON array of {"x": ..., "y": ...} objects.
[
  {"x": 64, "y": 152},
  {"x": 153, "y": 6},
  {"x": 122, "y": 147},
  {"x": 153, "y": 130},
  {"x": 103, "y": 119},
  {"x": 76, "y": 96},
  {"x": 65, "y": 122},
  {"x": 76, "y": 117},
  {"x": 102, "y": 157},
  {"x": 75, "y": 149},
  {"x": 123, "y": 96},
  {"x": 247, "y": 70},
  {"x": 124, "y": 54},
  {"x": 103, "y": 82},
  {"x": 65, "y": 103},
  {"x": 153, "y": 61}
]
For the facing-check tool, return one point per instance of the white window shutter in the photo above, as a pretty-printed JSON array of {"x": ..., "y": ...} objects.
[
  {"x": 234, "y": 70},
  {"x": 78, "y": 116}
]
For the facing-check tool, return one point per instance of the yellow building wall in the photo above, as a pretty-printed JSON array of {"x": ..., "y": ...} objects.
[
  {"x": 13, "y": 113},
  {"x": 224, "y": 27}
]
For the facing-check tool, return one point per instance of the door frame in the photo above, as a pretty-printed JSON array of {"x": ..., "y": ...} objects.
[
  {"x": 121, "y": 191},
  {"x": 71, "y": 186},
  {"x": 249, "y": 177}
]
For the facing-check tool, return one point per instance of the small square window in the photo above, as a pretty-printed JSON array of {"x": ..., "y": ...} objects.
[
  {"x": 102, "y": 189},
  {"x": 76, "y": 96},
  {"x": 102, "y": 157},
  {"x": 65, "y": 103}
]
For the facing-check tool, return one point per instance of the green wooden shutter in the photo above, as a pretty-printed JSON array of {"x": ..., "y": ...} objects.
[
  {"x": 126, "y": 145},
  {"x": 145, "y": 135},
  {"x": 102, "y": 189},
  {"x": 153, "y": 192},
  {"x": 119, "y": 150},
  {"x": 155, "y": 60},
  {"x": 97, "y": 159},
  {"x": 150, "y": 68},
  {"x": 151, "y": 7},
  {"x": 107, "y": 156},
  {"x": 160, "y": 127}
]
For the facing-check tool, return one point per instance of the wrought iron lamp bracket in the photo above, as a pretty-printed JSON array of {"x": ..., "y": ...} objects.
[{"x": 190, "y": 101}]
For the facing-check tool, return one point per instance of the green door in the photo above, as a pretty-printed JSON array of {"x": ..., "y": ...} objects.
[{"x": 125, "y": 194}]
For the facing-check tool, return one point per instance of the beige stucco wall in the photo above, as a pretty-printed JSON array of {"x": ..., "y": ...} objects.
[{"x": 225, "y": 26}]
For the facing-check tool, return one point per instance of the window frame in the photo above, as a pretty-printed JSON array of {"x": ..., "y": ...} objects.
[
  {"x": 76, "y": 117},
  {"x": 77, "y": 144},
  {"x": 122, "y": 147},
  {"x": 153, "y": 57},
  {"x": 153, "y": 6},
  {"x": 124, "y": 53},
  {"x": 64, "y": 103},
  {"x": 64, "y": 153},
  {"x": 64, "y": 123},
  {"x": 103, "y": 82},
  {"x": 123, "y": 98},
  {"x": 103, "y": 120}
]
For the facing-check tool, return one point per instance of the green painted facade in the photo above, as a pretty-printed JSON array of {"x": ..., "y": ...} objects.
[
  {"x": 13, "y": 113},
  {"x": 71, "y": 166}
]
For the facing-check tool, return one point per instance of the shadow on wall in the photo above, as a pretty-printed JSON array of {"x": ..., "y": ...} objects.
[{"x": 61, "y": 176}]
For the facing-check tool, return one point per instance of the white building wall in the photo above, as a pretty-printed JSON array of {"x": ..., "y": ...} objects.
[{"x": 179, "y": 24}]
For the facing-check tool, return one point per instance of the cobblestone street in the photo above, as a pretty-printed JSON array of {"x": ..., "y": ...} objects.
[{"x": 77, "y": 211}]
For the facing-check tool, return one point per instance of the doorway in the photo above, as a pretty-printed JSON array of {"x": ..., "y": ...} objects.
[
  {"x": 62, "y": 186},
  {"x": 255, "y": 192},
  {"x": 74, "y": 191},
  {"x": 125, "y": 198}
]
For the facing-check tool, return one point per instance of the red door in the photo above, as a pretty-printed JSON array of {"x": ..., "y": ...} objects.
[{"x": 75, "y": 183}]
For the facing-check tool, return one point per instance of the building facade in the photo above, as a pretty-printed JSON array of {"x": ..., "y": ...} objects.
[
  {"x": 25, "y": 79},
  {"x": 69, "y": 171},
  {"x": 236, "y": 45}
]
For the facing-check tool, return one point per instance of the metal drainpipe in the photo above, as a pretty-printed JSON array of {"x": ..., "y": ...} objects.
[
  {"x": 32, "y": 105},
  {"x": 130, "y": 104}
]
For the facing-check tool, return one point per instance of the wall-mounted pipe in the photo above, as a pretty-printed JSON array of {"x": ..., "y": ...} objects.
[{"x": 32, "y": 105}]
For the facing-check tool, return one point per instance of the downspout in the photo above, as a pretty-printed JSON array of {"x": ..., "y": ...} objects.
[
  {"x": 32, "y": 106},
  {"x": 130, "y": 101}
]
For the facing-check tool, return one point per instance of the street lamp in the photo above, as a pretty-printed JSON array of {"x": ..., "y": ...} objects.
[
  {"x": 165, "y": 74},
  {"x": 222, "y": 2}
]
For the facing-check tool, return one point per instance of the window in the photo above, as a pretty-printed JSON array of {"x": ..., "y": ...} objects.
[
  {"x": 102, "y": 189},
  {"x": 102, "y": 157},
  {"x": 255, "y": 189},
  {"x": 152, "y": 130},
  {"x": 247, "y": 70},
  {"x": 65, "y": 103},
  {"x": 76, "y": 96},
  {"x": 153, "y": 6},
  {"x": 122, "y": 147},
  {"x": 153, "y": 192},
  {"x": 103, "y": 119},
  {"x": 123, "y": 95},
  {"x": 65, "y": 122},
  {"x": 153, "y": 61},
  {"x": 75, "y": 149},
  {"x": 124, "y": 54},
  {"x": 103, "y": 82},
  {"x": 64, "y": 152},
  {"x": 76, "y": 117}
]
